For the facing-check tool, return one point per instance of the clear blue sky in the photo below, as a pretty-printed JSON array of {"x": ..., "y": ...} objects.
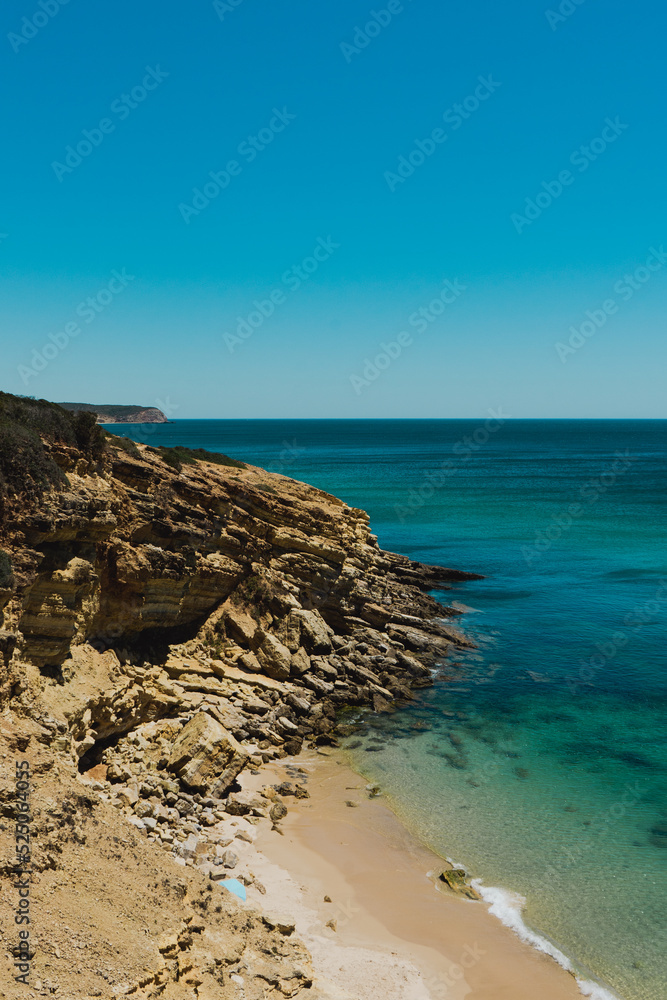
[{"x": 330, "y": 174}]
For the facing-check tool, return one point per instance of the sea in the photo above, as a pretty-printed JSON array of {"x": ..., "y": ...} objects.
[{"x": 538, "y": 760}]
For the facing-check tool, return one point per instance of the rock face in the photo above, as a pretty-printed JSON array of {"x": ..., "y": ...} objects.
[
  {"x": 234, "y": 609},
  {"x": 205, "y": 756},
  {"x": 134, "y": 549}
]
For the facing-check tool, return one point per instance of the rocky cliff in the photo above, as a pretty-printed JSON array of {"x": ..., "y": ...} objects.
[
  {"x": 195, "y": 579},
  {"x": 173, "y": 621}
]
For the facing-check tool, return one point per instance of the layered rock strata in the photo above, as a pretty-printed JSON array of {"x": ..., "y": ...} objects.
[{"x": 142, "y": 593}]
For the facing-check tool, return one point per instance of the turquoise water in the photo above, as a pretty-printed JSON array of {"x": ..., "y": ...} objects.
[{"x": 539, "y": 762}]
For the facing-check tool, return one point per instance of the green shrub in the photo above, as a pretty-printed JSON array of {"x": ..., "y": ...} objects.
[
  {"x": 6, "y": 571},
  {"x": 179, "y": 456},
  {"x": 125, "y": 444},
  {"x": 88, "y": 433},
  {"x": 26, "y": 468}
]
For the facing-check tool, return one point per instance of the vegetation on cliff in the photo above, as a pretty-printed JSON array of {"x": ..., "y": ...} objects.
[
  {"x": 27, "y": 428},
  {"x": 179, "y": 456}
]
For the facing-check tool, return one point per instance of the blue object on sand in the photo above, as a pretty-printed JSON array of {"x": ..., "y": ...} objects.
[{"x": 236, "y": 887}]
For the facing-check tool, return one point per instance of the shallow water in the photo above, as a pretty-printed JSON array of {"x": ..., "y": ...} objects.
[{"x": 539, "y": 761}]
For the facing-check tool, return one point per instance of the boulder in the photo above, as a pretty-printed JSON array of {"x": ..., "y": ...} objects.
[
  {"x": 238, "y": 625},
  {"x": 300, "y": 662},
  {"x": 317, "y": 685},
  {"x": 455, "y": 879},
  {"x": 244, "y": 803},
  {"x": 249, "y": 662},
  {"x": 278, "y": 811},
  {"x": 315, "y": 633},
  {"x": 275, "y": 659},
  {"x": 205, "y": 756}
]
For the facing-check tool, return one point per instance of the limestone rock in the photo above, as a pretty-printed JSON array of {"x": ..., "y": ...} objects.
[
  {"x": 239, "y": 625},
  {"x": 300, "y": 662},
  {"x": 274, "y": 658},
  {"x": 244, "y": 804},
  {"x": 316, "y": 634},
  {"x": 205, "y": 756},
  {"x": 455, "y": 879}
]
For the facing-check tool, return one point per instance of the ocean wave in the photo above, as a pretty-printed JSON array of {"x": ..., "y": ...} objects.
[{"x": 507, "y": 907}]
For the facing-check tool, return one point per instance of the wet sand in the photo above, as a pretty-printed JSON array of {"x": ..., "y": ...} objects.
[{"x": 393, "y": 934}]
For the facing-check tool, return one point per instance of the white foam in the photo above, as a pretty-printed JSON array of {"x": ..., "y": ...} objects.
[
  {"x": 594, "y": 990},
  {"x": 507, "y": 907},
  {"x": 455, "y": 864}
]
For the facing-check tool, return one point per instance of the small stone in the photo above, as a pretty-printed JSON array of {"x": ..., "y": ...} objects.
[
  {"x": 332, "y": 924},
  {"x": 278, "y": 811},
  {"x": 327, "y": 899},
  {"x": 229, "y": 859},
  {"x": 128, "y": 796},
  {"x": 188, "y": 848},
  {"x": 279, "y": 923}
]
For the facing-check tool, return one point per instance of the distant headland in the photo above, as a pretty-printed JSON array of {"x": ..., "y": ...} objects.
[{"x": 113, "y": 414}]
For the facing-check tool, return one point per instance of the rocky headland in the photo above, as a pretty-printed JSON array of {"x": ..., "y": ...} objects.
[
  {"x": 173, "y": 622},
  {"x": 112, "y": 413}
]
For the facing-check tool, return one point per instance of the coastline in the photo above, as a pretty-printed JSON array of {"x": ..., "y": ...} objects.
[
  {"x": 388, "y": 914},
  {"x": 273, "y": 672}
]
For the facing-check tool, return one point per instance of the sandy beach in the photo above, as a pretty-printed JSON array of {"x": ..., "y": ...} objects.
[{"x": 355, "y": 882}]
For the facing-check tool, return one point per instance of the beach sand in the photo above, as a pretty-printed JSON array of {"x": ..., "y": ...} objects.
[{"x": 395, "y": 935}]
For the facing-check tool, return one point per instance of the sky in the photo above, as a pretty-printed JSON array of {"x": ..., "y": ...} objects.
[{"x": 309, "y": 208}]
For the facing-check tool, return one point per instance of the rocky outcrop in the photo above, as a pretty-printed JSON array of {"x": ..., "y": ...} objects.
[{"x": 236, "y": 609}]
